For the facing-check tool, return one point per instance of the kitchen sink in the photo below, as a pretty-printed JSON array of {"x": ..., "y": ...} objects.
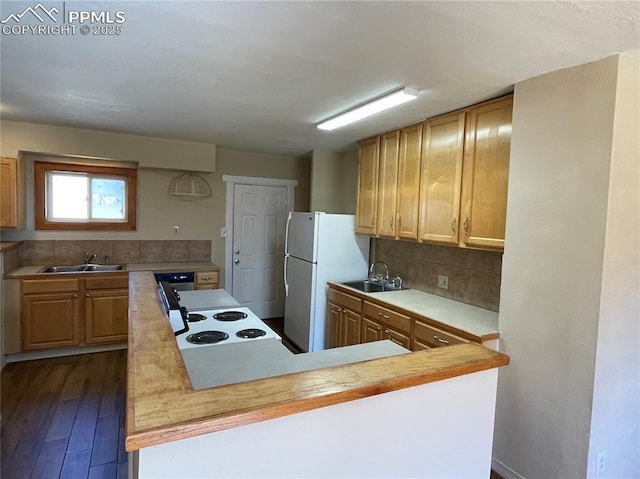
[
  {"x": 103, "y": 267},
  {"x": 81, "y": 268},
  {"x": 368, "y": 286}
]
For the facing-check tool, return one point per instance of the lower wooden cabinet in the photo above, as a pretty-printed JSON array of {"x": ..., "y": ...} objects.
[
  {"x": 355, "y": 319},
  {"x": 71, "y": 312},
  {"x": 344, "y": 321},
  {"x": 426, "y": 336},
  {"x": 207, "y": 280}
]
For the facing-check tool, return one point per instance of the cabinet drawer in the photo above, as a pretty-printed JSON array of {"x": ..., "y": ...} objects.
[
  {"x": 434, "y": 337},
  {"x": 34, "y": 286},
  {"x": 207, "y": 277},
  {"x": 387, "y": 316},
  {"x": 345, "y": 300},
  {"x": 120, "y": 281}
]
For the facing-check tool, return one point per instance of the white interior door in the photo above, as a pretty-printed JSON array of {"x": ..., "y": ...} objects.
[{"x": 260, "y": 215}]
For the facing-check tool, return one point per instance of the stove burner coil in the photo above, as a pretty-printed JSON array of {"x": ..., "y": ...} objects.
[
  {"x": 207, "y": 337},
  {"x": 230, "y": 316},
  {"x": 251, "y": 333},
  {"x": 195, "y": 317}
]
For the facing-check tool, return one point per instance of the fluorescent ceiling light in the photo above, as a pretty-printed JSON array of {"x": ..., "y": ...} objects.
[{"x": 379, "y": 104}]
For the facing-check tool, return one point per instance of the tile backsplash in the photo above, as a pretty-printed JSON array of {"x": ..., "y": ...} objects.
[
  {"x": 67, "y": 252},
  {"x": 474, "y": 276}
]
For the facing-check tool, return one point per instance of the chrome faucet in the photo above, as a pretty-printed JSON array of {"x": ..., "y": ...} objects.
[
  {"x": 378, "y": 277},
  {"x": 88, "y": 259}
]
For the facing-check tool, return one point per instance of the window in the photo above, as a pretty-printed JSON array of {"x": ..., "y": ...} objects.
[{"x": 81, "y": 197}]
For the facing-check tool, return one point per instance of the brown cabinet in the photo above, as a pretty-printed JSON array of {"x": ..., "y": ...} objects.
[
  {"x": 106, "y": 308},
  {"x": 441, "y": 178},
  {"x": 409, "y": 182},
  {"x": 11, "y": 194},
  {"x": 367, "y": 200},
  {"x": 487, "y": 150},
  {"x": 388, "y": 184},
  {"x": 207, "y": 280},
  {"x": 344, "y": 321},
  {"x": 442, "y": 181},
  {"x": 50, "y": 314},
  {"x": 426, "y": 336},
  {"x": 74, "y": 311},
  {"x": 382, "y": 323}
]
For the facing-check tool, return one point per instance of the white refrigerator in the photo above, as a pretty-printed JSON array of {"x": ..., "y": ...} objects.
[{"x": 319, "y": 247}]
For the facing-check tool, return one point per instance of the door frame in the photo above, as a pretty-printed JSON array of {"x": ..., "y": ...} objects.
[{"x": 227, "y": 232}]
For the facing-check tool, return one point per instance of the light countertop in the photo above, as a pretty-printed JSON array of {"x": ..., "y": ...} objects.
[
  {"x": 238, "y": 362},
  {"x": 478, "y": 322}
]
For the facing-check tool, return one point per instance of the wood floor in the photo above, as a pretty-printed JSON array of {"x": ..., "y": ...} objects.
[{"x": 64, "y": 418}]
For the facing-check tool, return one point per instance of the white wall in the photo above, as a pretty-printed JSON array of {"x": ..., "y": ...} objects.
[
  {"x": 334, "y": 178},
  {"x": 553, "y": 265},
  {"x": 147, "y": 151},
  {"x": 437, "y": 430},
  {"x": 615, "y": 425},
  {"x": 158, "y": 212}
]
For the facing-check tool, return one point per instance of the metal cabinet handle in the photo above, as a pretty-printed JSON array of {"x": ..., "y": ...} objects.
[
  {"x": 88, "y": 295},
  {"x": 466, "y": 226},
  {"x": 385, "y": 316},
  {"x": 237, "y": 251},
  {"x": 75, "y": 295},
  {"x": 453, "y": 226},
  {"x": 440, "y": 340},
  {"x": 236, "y": 261}
]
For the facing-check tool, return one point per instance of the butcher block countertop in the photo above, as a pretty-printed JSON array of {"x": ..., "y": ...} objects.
[
  {"x": 163, "y": 406},
  {"x": 471, "y": 322}
]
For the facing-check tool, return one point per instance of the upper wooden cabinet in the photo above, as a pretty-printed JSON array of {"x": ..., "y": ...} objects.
[
  {"x": 367, "y": 201},
  {"x": 409, "y": 181},
  {"x": 487, "y": 150},
  {"x": 441, "y": 178},
  {"x": 11, "y": 204},
  {"x": 441, "y": 181},
  {"x": 388, "y": 184}
]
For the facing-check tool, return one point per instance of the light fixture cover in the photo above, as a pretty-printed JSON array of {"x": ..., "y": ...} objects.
[
  {"x": 392, "y": 99},
  {"x": 190, "y": 186}
]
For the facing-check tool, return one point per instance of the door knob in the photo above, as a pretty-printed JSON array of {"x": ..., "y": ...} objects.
[
  {"x": 236, "y": 261},
  {"x": 237, "y": 251}
]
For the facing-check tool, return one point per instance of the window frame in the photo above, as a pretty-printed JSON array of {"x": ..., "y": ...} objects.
[{"x": 40, "y": 170}]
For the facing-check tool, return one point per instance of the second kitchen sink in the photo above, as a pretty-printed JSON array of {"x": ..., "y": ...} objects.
[{"x": 368, "y": 286}]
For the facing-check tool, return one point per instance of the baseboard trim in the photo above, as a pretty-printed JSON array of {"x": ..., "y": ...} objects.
[
  {"x": 505, "y": 471},
  {"x": 56, "y": 353}
]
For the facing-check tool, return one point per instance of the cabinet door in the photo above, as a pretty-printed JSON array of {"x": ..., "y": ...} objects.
[
  {"x": 486, "y": 173},
  {"x": 367, "y": 201},
  {"x": 10, "y": 216},
  {"x": 397, "y": 337},
  {"x": 50, "y": 321},
  {"x": 106, "y": 316},
  {"x": 370, "y": 331},
  {"x": 409, "y": 181},
  {"x": 441, "y": 179},
  {"x": 207, "y": 279},
  {"x": 334, "y": 326},
  {"x": 351, "y": 327},
  {"x": 388, "y": 184}
]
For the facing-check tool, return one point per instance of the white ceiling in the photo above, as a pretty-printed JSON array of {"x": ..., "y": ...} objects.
[{"x": 258, "y": 76}]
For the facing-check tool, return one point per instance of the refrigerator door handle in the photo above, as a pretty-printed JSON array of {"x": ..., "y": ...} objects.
[
  {"x": 286, "y": 238},
  {"x": 286, "y": 284}
]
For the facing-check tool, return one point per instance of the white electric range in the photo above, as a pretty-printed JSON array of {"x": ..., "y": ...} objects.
[
  {"x": 226, "y": 324},
  {"x": 223, "y": 326}
]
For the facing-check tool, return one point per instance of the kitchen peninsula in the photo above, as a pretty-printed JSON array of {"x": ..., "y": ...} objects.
[{"x": 424, "y": 414}]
